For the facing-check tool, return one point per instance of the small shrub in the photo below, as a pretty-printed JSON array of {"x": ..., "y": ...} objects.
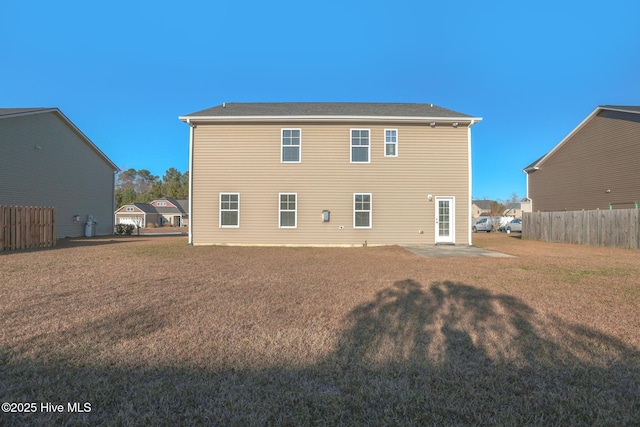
[{"x": 125, "y": 229}]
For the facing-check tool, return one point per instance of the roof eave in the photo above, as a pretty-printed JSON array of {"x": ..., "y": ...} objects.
[
  {"x": 73, "y": 127},
  {"x": 619, "y": 109},
  {"x": 195, "y": 119},
  {"x": 537, "y": 164}
]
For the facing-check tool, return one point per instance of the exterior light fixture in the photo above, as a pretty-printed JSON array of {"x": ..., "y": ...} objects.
[{"x": 455, "y": 124}]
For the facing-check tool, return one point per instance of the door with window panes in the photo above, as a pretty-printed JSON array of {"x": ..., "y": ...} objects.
[{"x": 445, "y": 225}]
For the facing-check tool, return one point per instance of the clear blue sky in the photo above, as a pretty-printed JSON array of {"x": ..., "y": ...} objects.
[{"x": 123, "y": 71}]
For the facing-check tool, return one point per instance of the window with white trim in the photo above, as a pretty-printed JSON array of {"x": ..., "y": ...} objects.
[
  {"x": 291, "y": 145},
  {"x": 230, "y": 210},
  {"x": 362, "y": 210},
  {"x": 130, "y": 209},
  {"x": 391, "y": 142},
  {"x": 288, "y": 210},
  {"x": 360, "y": 146}
]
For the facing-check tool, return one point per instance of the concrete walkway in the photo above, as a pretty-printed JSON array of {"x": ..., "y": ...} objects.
[{"x": 450, "y": 251}]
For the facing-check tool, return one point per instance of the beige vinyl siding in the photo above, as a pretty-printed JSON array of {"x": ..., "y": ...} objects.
[
  {"x": 245, "y": 159},
  {"x": 64, "y": 173},
  {"x": 603, "y": 154}
]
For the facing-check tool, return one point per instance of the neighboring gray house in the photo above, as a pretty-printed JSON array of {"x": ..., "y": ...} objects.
[
  {"x": 594, "y": 167},
  {"x": 45, "y": 160}
]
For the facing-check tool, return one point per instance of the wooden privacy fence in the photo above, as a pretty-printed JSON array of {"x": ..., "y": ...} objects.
[
  {"x": 25, "y": 227},
  {"x": 618, "y": 227}
]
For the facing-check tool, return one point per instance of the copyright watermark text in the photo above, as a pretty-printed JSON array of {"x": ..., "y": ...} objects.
[{"x": 46, "y": 407}]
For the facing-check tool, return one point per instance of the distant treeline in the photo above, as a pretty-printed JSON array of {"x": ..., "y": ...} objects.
[{"x": 141, "y": 186}]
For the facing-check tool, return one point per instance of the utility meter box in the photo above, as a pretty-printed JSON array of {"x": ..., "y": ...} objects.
[{"x": 326, "y": 216}]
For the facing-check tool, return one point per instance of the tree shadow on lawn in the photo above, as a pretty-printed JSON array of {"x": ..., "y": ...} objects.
[{"x": 444, "y": 354}]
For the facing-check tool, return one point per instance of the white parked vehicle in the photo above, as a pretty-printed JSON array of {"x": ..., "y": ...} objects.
[
  {"x": 515, "y": 225},
  {"x": 491, "y": 223},
  {"x": 483, "y": 224},
  {"x": 502, "y": 222}
]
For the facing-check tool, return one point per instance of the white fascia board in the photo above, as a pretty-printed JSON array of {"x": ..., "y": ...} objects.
[
  {"x": 90, "y": 143},
  {"x": 564, "y": 140},
  {"x": 73, "y": 127},
  {"x": 193, "y": 119},
  {"x": 621, "y": 110},
  {"x": 28, "y": 113}
]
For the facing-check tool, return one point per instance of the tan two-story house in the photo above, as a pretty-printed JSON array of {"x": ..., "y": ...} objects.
[{"x": 344, "y": 174}]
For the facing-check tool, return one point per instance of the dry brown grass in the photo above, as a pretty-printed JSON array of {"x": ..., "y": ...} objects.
[{"x": 151, "y": 331}]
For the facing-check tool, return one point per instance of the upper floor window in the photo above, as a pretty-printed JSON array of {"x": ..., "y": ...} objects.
[
  {"x": 391, "y": 142},
  {"x": 161, "y": 203},
  {"x": 360, "y": 146},
  {"x": 230, "y": 210},
  {"x": 288, "y": 211},
  {"x": 130, "y": 209},
  {"x": 290, "y": 145}
]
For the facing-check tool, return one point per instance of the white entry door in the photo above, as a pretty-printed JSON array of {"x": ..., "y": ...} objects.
[{"x": 445, "y": 224}]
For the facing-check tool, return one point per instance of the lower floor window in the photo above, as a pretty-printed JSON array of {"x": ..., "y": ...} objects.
[
  {"x": 362, "y": 210},
  {"x": 229, "y": 210},
  {"x": 288, "y": 210}
]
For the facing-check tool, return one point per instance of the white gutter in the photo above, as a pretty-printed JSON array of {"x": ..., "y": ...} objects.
[
  {"x": 527, "y": 186},
  {"x": 191, "y": 131},
  {"x": 188, "y": 119}
]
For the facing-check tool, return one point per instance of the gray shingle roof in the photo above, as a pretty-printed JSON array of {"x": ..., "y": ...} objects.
[
  {"x": 360, "y": 109},
  {"x": 627, "y": 108},
  {"x": 483, "y": 204},
  {"x": 145, "y": 207},
  {"x": 12, "y": 111}
]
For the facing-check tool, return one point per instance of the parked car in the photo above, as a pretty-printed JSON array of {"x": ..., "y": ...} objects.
[
  {"x": 514, "y": 225},
  {"x": 483, "y": 224},
  {"x": 487, "y": 224}
]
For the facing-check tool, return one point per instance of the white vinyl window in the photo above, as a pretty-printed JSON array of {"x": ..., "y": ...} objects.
[
  {"x": 362, "y": 210},
  {"x": 360, "y": 147},
  {"x": 391, "y": 142},
  {"x": 291, "y": 145},
  {"x": 230, "y": 210},
  {"x": 288, "y": 210},
  {"x": 130, "y": 209}
]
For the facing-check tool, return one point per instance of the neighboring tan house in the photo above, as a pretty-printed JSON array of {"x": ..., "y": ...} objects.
[
  {"x": 594, "y": 167},
  {"x": 139, "y": 214},
  {"x": 159, "y": 212},
  {"x": 481, "y": 208},
  {"x": 172, "y": 211},
  {"x": 45, "y": 160},
  {"x": 330, "y": 174},
  {"x": 515, "y": 209}
]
